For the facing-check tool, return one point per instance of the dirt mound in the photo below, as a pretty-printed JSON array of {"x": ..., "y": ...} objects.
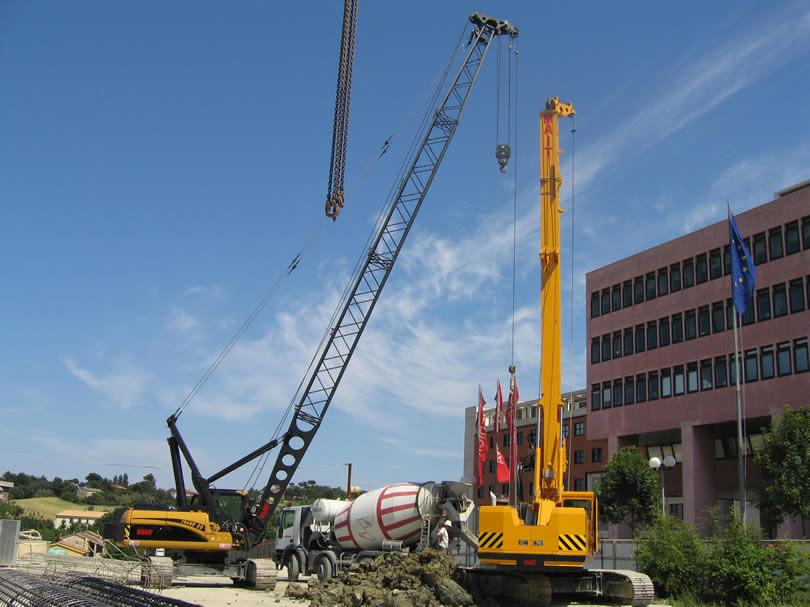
[{"x": 426, "y": 579}]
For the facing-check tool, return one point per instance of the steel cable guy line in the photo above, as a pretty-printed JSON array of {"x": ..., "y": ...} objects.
[{"x": 571, "y": 343}]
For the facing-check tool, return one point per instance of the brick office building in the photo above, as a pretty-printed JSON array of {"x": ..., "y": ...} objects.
[
  {"x": 660, "y": 370},
  {"x": 587, "y": 456}
]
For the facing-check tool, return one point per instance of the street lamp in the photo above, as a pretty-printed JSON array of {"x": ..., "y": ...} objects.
[{"x": 657, "y": 464}]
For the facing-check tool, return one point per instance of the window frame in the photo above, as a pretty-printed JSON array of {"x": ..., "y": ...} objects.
[
  {"x": 675, "y": 277},
  {"x": 760, "y": 252},
  {"x": 577, "y": 427},
  {"x": 604, "y": 308},
  {"x": 796, "y": 282},
  {"x": 779, "y": 292},
  {"x": 704, "y": 321},
  {"x": 596, "y": 455},
  {"x": 765, "y": 353},
  {"x": 806, "y": 233},
  {"x": 615, "y": 298},
  {"x": 666, "y": 376},
  {"x": 627, "y": 338},
  {"x": 638, "y": 290},
  {"x": 596, "y": 350},
  {"x": 652, "y": 335},
  {"x": 595, "y": 304},
  {"x": 641, "y": 388},
  {"x": 706, "y": 378},
  {"x": 701, "y": 269},
  {"x": 763, "y": 304},
  {"x": 607, "y": 394},
  {"x": 718, "y": 307},
  {"x": 618, "y": 393},
  {"x": 782, "y": 348},
  {"x": 720, "y": 362},
  {"x": 607, "y": 349},
  {"x": 678, "y": 373},
  {"x": 649, "y": 281},
  {"x": 690, "y": 321},
  {"x": 800, "y": 345},
  {"x": 776, "y": 243},
  {"x": 751, "y": 372},
  {"x": 663, "y": 281},
  {"x": 663, "y": 332},
  {"x": 596, "y": 397},
  {"x": 640, "y": 338},
  {"x": 715, "y": 264},
  {"x": 617, "y": 344},
  {"x": 629, "y": 390},
  {"x": 692, "y": 372},
  {"x": 792, "y": 233},
  {"x": 653, "y": 385},
  {"x": 688, "y": 273},
  {"x": 627, "y": 293}
]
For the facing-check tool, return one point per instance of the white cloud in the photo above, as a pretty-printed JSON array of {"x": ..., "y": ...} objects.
[
  {"x": 180, "y": 321},
  {"x": 146, "y": 454},
  {"x": 699, "y": 86},
  {"x": 121, "y": 388}
]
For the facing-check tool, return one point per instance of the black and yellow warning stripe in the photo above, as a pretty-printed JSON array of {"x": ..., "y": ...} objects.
[
  {"x": 571, "y": 542},
  {"x": 490, "y": 539}
]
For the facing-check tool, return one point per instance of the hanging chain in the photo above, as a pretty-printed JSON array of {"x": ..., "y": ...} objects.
[{"x": 340, "y": 128}]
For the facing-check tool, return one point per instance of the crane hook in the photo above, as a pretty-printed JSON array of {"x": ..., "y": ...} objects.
[{"x": 503, "y": 152}]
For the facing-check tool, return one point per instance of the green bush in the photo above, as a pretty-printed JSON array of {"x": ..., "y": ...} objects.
[
  {"x": 733, "y": 567},
  {"x": 672, "y": 554}
]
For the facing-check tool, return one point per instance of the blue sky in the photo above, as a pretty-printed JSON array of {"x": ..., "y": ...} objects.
[{"x": 161, "y": 163}]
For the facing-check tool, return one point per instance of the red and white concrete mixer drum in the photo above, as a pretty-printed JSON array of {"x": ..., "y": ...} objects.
[{"x": 393, "y": 512}]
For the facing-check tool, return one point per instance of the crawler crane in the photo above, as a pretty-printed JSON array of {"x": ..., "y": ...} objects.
[{"x": 530, "y": 560}]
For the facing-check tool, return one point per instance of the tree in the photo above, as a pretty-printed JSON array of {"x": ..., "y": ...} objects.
[
  {"x": 785, "y": 458},
  {"x": 629, "y": 489}
]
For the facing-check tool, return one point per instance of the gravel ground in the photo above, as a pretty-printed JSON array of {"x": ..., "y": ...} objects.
[{"x": 220, "y": 592}]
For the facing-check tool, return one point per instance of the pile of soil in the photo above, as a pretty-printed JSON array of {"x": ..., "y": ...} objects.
[{"x": 425, "y": 579}]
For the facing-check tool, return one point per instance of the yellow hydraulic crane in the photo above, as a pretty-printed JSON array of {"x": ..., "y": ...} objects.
[{"x": 544, "y": 552}]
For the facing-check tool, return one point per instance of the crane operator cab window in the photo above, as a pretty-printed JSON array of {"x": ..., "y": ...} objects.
[{"x": 587, "y": 505}]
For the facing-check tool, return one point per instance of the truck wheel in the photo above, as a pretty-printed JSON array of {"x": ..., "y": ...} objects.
[
  {"x": 293, "y": 568},
  {"x": 323, "y": 569}
]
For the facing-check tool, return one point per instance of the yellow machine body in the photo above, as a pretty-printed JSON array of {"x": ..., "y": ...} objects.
[
  {"x": 173, "y": 530},
  {"x": 561, "y": 528}
]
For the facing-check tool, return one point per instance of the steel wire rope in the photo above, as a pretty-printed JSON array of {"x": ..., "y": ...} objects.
[
  {"x": 436, "y": 88},
  {"x": 514, "y": 185},
  {"x": 571, "y": 328}
]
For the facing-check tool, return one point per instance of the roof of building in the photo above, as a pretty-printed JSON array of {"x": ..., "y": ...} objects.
[
  {"x": 6, "y": 484},
  {"x": 80, "y": 514}
]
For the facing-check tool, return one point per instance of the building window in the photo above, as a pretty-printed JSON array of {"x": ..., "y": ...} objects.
[
  {"x": 641, "y": 388},
  {"x": 491, "y": 442},
  {"x": 650, "y": 291},
  {"x": 579, "y": 456},
  {"x": 726, "y": 260},
  {"x": 715, "y": 264},
  {"x": 676, "y": 510},
  {"x": 666, "y": 383},
  {"x": 605, "y": 301},
  {"x": 706, "y": 374},
  {"x": 800, "y": 358},
  {"x": 663, "y": 282},
  {"x": 566, "y": 430},
  {"x": 596, "y": 455},
  {"x": 627, "y": 294},
  {"x": 779, "y": 300},
  {"x": 675, "y": 277},
  {"x": 751, "y": 366},
  {"x": 595, "y": 350},
  {"x": 766, "y": 370},
  {"x": 638, "y": 289},
  {"x": 792, "y": 242},
  {"x": 480, "y": 492},
  {"x": 691, "y": 327},
  {"x": 616, "y": 297},
  {"x": 579, "y": 429},
  {"x": 796, "y": 295},
  {"x": 732, "y": 369},
  {"x": 760, "y": 249},
  {"x": 775, "y": 248},
  {"x": 594, "y": 304},
  {"x": 720, "y": 372},
  {"x": 783, "y": 358},
  {"x": 688, "y": 273},
  {"x": 763, "y": 304},
  {"x": 628, "y": 341},
  {"x": 704, "y": 327},
  {"x": 730, "y": 312},
  {"x": 606, "y": 350},
  {"x": 520, "y": 438},
  {"x": 691, "y": 377},
  {"x": 629, "y": 390},
  {"x": 652, "y": 386},
  {"x": 677, "y": 328},
  {"x": 505, "y": 489},
  {"x": 596, "y": 398},
  {"x": 806, "y": 232},
  {"x": 652, "y": 334},
  {"x": 678, "y": 377},
  {"x": 718, "y": 317},
  {"x": 579, "y": 484},
  {"x": 492, "y": 465},
  {"x": 748, "y": 315},
  {"x": 617, "y": 344},
  {"x": 702, "y": 268},
  {"x": 618, "y": 393},
  {"x": 640, "y": 338},
  {"x": 506, "y": 439},
  {"x": 607, "y": 395},
  {"x": 663, "y": 332}
]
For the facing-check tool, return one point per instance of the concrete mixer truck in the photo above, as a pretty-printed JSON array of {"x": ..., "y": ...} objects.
[{"x": 328, "y": 536}]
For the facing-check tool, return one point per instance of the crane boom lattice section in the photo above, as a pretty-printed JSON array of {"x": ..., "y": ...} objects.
[{"x": 382, "y": 255}]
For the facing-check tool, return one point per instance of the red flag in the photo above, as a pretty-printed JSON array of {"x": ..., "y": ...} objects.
[
  {"x": 482, "y": 438},
  {"x": 502, "y": 468},
  {"x": 511, "y": 420}
]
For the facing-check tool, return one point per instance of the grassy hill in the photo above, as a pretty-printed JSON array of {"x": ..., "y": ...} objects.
[{"x": 48, "y": 507}]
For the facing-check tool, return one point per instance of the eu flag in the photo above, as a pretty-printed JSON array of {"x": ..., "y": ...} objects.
[{"x": 743, "y": 272}]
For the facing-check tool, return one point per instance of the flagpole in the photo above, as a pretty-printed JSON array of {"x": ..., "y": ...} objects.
[{"x": 740, "y": 448}]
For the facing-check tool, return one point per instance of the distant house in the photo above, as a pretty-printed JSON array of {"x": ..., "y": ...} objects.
[
  {"x": 84, "y": 543},
  {"x": 66, "y": 518},
  {"x": 85, "y": 492},
  {"x": 5, "y": 489}
]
